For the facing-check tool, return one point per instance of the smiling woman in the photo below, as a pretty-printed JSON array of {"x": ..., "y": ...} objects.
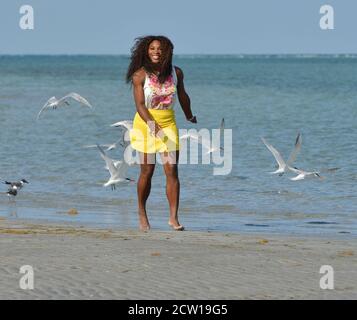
[{"x": 156, "y": 83}]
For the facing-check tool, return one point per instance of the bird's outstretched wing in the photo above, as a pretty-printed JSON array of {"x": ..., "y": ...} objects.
[
  {"x": 221, "y": 127},
  {"x": 108, "y": 161},
  {"x": 296, "y": 150},
  {"x": 108, "y": 147},
  {"x": 127, "y": 124},
  {"x": 47, "y": 105},
  {"x": 296, "y": 170},
  {"x": 329, "y": 170},
  {"x": 279, "y": 159},
  {"x": 77, "y": 98}
]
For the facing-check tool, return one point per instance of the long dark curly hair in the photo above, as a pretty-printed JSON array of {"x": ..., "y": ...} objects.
[{"x": 140, "y": 57}]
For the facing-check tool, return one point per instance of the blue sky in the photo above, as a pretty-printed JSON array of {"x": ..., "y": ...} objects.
[{"x": 194, "y": 26}]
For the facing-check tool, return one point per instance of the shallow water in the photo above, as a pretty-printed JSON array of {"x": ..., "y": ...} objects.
[{"x": 271, "y": 96}]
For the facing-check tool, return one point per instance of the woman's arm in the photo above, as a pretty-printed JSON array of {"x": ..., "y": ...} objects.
[
  {"x": 139, "y": 97},
  {"x": 183, "y": 97}
]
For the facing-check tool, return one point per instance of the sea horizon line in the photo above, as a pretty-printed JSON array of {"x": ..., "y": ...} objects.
[{"x": 188, "y": 55}]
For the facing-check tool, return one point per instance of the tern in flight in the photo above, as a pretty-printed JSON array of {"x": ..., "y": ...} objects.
[
  {"x": 108, "y": 147},
  {"x": 206, "y": 143},
  {"x": 54, "y": 103},
  {"x": 117, "y": 170},
  {"x": 127, "y": 125},
  {"x": 284, "y": 166},
  {"x": 301, "y": 174}
]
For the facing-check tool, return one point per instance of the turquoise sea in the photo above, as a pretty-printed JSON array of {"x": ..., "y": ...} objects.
[{"x": 266, "y": 95}]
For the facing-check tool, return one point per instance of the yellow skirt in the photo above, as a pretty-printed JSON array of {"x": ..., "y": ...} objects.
[{"x": 144, "y": 141}]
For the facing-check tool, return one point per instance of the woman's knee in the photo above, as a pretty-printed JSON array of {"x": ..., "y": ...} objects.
[
  {"x": 147, "y": 171},
  {"x": 171, "y": 171},
  {"x": 169, "y": 157}
]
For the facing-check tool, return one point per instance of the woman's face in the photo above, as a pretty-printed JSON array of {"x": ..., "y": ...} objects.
[{"x": 154, "y": 51}]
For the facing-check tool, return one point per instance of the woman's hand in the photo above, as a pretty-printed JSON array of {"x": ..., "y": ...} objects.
[
  {"x": 155, "y": 129},
  {"x": 193, "y": 119},
  {"x": 158, "y": 131}
]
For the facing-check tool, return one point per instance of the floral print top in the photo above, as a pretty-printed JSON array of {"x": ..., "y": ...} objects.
[{"x": 160, "y": 96}]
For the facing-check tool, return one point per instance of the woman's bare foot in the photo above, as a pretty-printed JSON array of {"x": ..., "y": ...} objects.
[
  {"x": 176, "y": 225},
  {"x": 144, "y": 224},
  {"x": 144, "y": 227}
]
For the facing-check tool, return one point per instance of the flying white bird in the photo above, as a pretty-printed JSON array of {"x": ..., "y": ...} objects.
[
  {"x": 127, "y": 125},
  {"x": 301, "y": 174},
  {"x": 108, "y": 147},
  {"x": 205, "y": 142},
  {"x": 284, "y": 166},
  {"x": 116, "y": 163},
  {"x": 54, "y": 103},
  {"x": 117, "y": 170}
]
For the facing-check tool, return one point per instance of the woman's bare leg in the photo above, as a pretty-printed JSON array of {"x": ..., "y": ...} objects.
[
  {"x": 170, "y": 161},
  {"x": 147, "y": 166}
]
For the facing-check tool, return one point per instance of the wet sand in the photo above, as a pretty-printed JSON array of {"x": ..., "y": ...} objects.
[{"x": 79, "y": 263}]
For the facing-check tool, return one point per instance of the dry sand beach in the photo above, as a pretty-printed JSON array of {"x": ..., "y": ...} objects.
[{"x": 78, "y": 263}]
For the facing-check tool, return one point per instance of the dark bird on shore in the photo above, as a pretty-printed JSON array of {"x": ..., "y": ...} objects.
[{"x": 15, "y": 186}]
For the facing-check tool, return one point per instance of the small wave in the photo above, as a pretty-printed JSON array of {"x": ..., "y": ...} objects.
[
  {"x": 257, "y": 225},
  {"x": 221, "y": 208},
  {"x": 267, "y": 56},
  {"x": 232, "y": 177},
  {"x": 321, "y": 222}
]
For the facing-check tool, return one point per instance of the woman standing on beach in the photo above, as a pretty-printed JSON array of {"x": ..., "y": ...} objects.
[{"x": 156, "y": 83}]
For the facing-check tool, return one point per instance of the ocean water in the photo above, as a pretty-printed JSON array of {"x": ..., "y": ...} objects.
[{"x": 271, "y": 96}]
